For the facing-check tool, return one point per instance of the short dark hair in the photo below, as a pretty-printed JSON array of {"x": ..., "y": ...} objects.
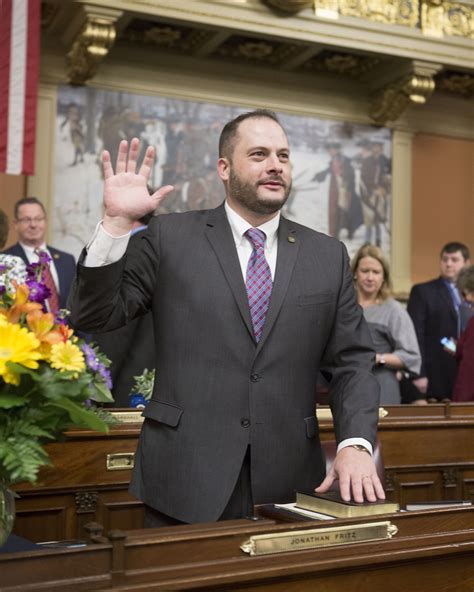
[
  {"x": 465, "y": 281},
  {"x": 27, "y": 200},
  {"x": 230, "y": 130},
  {"x": 453, "y": 247},
  {"x": 3, "y": 228}
]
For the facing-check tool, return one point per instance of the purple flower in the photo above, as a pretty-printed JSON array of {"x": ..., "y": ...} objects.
[
  {"x": 38, "y": 291},
  {"x": 3, "y": 268},
  {"x": 44, "y": 258},
  {"x": 32, "y": 270},
  {"x": 60, "y": 318},
  {"x": 105, "y": 375},
  {"x": 91, "y": 357}
]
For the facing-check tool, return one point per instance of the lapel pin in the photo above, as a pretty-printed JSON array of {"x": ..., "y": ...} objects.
[
  {"x": 291, "y": 239},
  {"x": 55, "y": 256}
]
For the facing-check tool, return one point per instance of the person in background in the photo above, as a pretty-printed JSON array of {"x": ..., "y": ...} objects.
[
  {"x": 31, "y": 225},
  {"x": 390, "y": 326},
  {"x": 246, "y": 307},
  {"x": 434, "y": 309},
  {"x": 463, "y": 390},
  {"x": 131, "y": 347}
]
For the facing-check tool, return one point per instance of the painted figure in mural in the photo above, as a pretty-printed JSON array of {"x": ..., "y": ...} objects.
[
  {"x": 74, "y": 119},
  {"x": 174, "y": 150},
  {"x": 344, "y": 209},
  {"x": 374, "y": 188},
  {"x": 109, "y": 130}
]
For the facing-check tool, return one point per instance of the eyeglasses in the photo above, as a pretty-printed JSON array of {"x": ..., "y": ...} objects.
[{"x": 36, "y": 220}]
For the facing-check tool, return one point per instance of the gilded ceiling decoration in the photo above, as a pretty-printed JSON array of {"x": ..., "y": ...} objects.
[
  {"x": 435, "y": 18},
  {"x": 341, "y": 63},
  {"x": 88, "y": 32},
  {"x": 391, "y": 12},
  {"x": 290, "y": 5},
  {"x": 457, "y": 83},
  {"x": 89, "y": 48},
  {"x": 259, "y": 51},
  {"x": 175, "y": 37}
]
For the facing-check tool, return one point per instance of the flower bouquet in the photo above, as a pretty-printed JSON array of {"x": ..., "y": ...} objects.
[{"x": 48, "y": 376}]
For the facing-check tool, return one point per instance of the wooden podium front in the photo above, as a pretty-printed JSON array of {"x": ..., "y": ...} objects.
[
  {"x": 427, "y": 453},
  {"x": 433, "y": 550}
]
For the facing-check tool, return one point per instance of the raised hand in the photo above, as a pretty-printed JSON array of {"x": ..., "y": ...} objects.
[{"x": 126, "y": 197}]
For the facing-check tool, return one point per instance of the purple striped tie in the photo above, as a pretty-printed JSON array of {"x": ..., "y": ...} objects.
[{"x": 258, "y": 281}]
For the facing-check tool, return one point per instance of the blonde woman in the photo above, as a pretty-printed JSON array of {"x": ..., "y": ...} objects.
[{"x": 390, "y": 326}]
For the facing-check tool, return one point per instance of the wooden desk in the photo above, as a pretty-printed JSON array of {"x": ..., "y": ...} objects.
[
  {"x": 428, "y": 453},
  {"x": 431, "y": 551}
]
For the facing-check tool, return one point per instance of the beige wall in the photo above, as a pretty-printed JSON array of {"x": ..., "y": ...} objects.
[
  {"x": 442, "y": 199},
  {"x": 12, "y": 188}
]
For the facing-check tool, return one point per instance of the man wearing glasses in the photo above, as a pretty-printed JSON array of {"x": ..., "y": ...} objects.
[{"x": 31, "y": 224}]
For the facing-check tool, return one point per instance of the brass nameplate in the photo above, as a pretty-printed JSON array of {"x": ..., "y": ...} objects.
[
  {"x": 298, "y": 540},
  {"x": 128, "y": 416},
  {"x": 120, "y": 461},
  {"x": 324, "y": 413}
]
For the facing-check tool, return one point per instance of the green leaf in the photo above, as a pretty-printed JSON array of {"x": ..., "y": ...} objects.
[
  {"x": 101, "y": 393},
  {"x": 7, "y": 401},
  {"x": 80, "y": 416}
]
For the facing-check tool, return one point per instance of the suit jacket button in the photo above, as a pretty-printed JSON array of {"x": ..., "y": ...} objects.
[
  {"x": 245, "y": 423},
  {"x": 255, "y": 377}
]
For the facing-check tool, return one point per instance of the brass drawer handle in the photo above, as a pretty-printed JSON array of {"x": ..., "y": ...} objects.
[{"x": 120, "y": 461}]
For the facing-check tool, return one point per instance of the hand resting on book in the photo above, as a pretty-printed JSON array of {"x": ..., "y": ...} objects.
[{"x": 358, "y": 479}]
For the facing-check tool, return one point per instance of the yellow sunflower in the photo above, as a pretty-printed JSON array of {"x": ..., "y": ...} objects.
[
  {"x": 18, "y": 345},
  {"x": 66, "y": 356}
]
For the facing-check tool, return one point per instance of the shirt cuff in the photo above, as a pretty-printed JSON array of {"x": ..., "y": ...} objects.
[
  {"x": 358, "y": 441},
  {"x": 104, "y": 249}
]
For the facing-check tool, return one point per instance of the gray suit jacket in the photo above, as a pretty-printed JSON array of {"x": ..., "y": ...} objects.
[{"x": 218, "y": 391}]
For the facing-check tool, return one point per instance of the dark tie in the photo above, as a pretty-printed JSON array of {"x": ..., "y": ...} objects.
[
  {"x": 258, "y": 281},
  {"x": 53, "y": 299}
]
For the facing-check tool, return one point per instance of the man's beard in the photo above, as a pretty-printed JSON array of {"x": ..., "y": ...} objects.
[{"x": 246, "y": 195}]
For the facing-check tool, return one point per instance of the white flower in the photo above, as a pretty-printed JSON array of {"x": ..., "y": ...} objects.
[{"x": 11, "y": 268}]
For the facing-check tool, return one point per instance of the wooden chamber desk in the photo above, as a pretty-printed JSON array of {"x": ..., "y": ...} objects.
[
  {"x": 428, "y": 453},
  {"x": 433, "y": 550}
]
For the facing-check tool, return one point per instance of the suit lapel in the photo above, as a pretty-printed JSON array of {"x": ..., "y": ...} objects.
[
  {"x": 18, "y": 251},
  {"x": 220, "y": 236},
  {"x": 288, "y": 247}
]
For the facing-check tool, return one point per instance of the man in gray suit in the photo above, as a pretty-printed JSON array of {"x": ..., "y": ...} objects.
[{"x": 232, "y": 419}]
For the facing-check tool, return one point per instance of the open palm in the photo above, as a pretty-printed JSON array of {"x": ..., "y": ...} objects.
[{"x": 126, "y": 195}]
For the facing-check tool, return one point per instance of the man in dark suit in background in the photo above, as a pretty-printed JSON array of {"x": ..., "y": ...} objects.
[
  {"x": 434, "y": 309},
  {"x": 247, "y": 306},
  {"x": 31, "y": 224}
]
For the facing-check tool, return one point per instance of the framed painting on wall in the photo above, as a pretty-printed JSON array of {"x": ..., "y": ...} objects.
[{"x": 341, "y": 171}]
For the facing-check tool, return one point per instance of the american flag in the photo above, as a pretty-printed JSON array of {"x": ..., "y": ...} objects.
[{"x": 19, "y": 67}]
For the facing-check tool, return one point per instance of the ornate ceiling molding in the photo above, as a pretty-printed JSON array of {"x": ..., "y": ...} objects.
[
  {"x": 439, "y": 18},
  {"x": 91, "y": 43},
  {"x": 413, "y": 87},
  {"x": 290, "y": 6},
  {"x": 389, "y": 12},
  {"x": 435, "y": 18},
  {"x": 456, "y": 83}
]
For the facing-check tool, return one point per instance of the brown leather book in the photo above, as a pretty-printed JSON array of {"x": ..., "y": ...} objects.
[{"x": 332, "y": 504}]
